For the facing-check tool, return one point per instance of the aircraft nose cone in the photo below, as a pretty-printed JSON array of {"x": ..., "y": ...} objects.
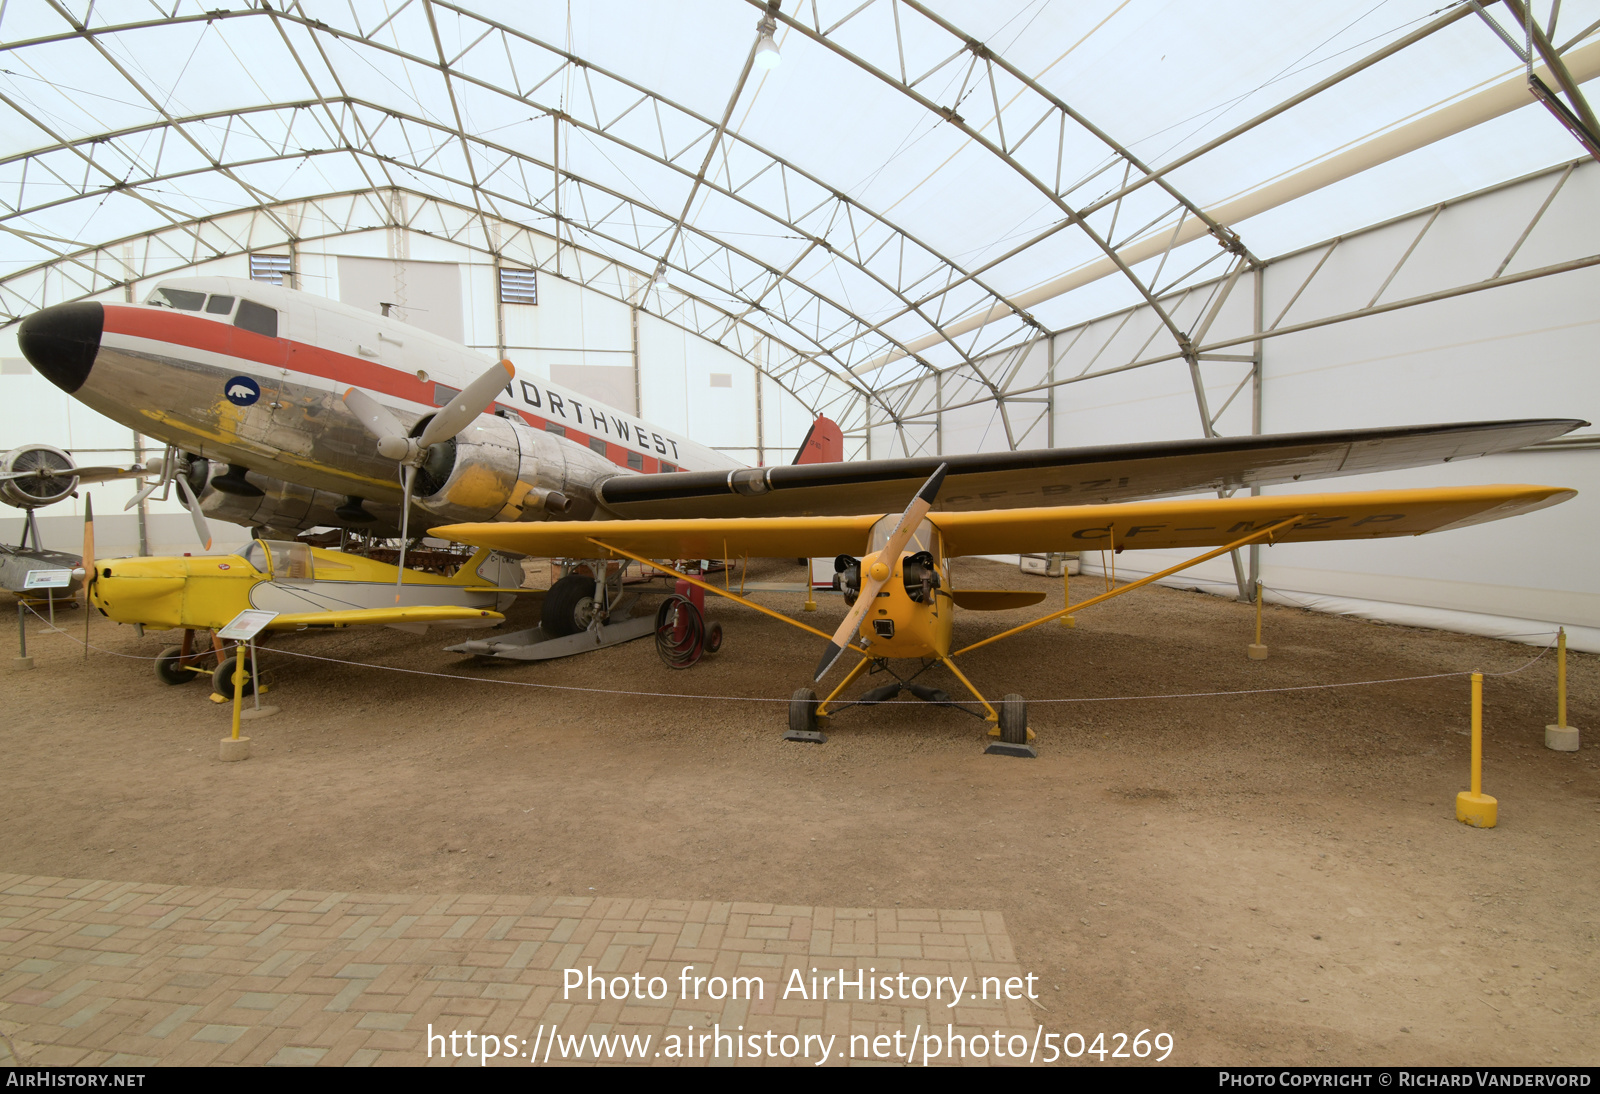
[{"x": 61, "y": 342}]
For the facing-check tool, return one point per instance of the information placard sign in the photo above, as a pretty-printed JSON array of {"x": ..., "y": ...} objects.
[
  {"x": 246, "y": 625},
  {"x": 47, "y": 579}
]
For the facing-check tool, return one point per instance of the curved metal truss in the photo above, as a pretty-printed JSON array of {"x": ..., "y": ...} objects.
[
  {"x": 482, "y": 237},
  {"x": 607, "y": 166}
]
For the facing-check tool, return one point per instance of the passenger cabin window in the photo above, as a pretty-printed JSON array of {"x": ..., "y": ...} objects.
[
  {"x": 258, "y": 318},
  {"x": 555, "y": 427},
  {"x": 636, "y": 461},
  {"x": 219, "y": 305},
  {"x": 182, "y": 299},
  {"x": 598, "y": 445}
]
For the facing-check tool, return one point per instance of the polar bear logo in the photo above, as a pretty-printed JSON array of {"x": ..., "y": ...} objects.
[{"x": 242, "y": 391}]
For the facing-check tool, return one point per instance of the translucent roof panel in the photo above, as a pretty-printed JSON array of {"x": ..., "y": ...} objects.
[{"x": 918, "y": 181}]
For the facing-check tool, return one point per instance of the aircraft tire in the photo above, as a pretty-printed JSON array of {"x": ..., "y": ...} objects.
[
  {"x": 568, "y": 606},
  {"x": 222, "y": 679},
  {"x": 803, "y": 711},
  {"x": 169, "y": 670},
  {"x": 1014, "y": 720}
]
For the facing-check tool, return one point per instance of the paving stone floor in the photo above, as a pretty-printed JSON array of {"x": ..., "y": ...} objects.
[{"x": 127, "y": 973}]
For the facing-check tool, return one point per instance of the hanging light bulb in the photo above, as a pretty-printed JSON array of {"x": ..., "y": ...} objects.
[{"x": 767, "y": 55}]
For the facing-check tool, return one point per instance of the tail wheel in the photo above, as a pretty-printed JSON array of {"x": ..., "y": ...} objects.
[
  {"x": 1014, "y": 720},
  {"x": 803, "y": 711},
  {"x": 714, "y": 638},
  {"x": 170, "y": 668},
  {"x": 222, "y": 679}
]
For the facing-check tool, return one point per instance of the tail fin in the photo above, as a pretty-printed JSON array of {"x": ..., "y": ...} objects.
[{"x": 824, "y": 443}]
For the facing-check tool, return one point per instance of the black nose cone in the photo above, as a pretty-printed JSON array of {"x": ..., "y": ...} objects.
[{"x": 61, "y": 342}]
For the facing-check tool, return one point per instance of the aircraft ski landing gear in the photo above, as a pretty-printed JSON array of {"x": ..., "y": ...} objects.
[
  {"x": 1013, "y": 730},
  {"x": 803, "y": 722}
]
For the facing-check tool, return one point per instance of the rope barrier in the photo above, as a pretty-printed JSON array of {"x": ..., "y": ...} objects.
[{"x": 892, "y": 702}]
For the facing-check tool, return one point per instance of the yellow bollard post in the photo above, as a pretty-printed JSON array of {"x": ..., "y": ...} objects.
[
  {"x": 1257, "y": 651},
  {"x": 238, "y": 688},
  {"x": 236, "y": 747},
  {"x": 1561, "y": 737},
  {"x": 1473, "y": 806}
]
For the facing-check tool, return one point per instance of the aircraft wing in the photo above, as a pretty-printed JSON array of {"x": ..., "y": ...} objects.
[
  {"x": 1063, "y": 476},
  {"x": 377, "y": 617},
  {"x": 1177, "y": 522}
]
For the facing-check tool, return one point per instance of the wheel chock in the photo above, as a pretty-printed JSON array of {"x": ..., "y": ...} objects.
[
  {"x": 1000, "y": 748},
  {"x": 810, "y": 736}
]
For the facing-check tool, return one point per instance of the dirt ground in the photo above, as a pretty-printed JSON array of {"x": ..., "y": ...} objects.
[{"x": 1272, "y": 878}]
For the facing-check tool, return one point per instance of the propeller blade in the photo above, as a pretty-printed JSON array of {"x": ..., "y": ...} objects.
[
  {"x": 378, "y": 419},
  {"x": 467, "y": 405},
  {"x": 143, "y": 494},
  {"x": 875, "y": 576},
  {"x": 192, "y": 503},
  {"x": 405, "y": 529},
  {"x": 88, "y": 535}
]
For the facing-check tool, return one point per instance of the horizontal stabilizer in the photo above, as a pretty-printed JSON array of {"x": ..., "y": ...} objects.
[{"x": 995, "y": 600}]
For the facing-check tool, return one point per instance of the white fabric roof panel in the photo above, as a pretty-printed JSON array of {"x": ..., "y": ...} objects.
[{"x": 907, "y": 165}]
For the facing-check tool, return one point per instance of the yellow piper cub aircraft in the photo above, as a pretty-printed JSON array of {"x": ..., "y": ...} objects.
[
  {"x": 308, "y": 586},
  {"x": 899, "y": 592}
]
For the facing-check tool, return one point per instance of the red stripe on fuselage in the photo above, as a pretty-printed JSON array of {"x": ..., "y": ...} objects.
[{"x": 190, "y": 331}]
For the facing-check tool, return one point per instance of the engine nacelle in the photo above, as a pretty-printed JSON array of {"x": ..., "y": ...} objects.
[
  {"x": 53, "y": 481},
  {"x": 503, "y": 469}
]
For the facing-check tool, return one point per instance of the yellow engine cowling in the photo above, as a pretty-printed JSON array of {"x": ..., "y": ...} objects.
[
  {"x": 896, "y": 625},
  {"x": 164, "y": 593}
]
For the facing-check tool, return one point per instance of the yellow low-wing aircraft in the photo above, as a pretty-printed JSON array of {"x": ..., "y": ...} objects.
[
  {"x": 309, "y": 587},
  {"x": 899, "y": 591}
]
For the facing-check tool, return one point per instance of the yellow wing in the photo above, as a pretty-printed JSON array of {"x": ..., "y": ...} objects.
[
  {"x": 1176, "y": 522},
  {"x": 377, "y": 617}
]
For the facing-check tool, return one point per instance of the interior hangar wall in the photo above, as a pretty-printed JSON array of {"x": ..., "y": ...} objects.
[{"x": 1521, "y": 350}]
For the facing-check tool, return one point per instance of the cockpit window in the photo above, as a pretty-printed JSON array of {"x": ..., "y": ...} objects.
[
  {"x": 258, "y": 318},
  {"x": 182, "y": 299},
  {"x": 219, "y": 305},
  {"x": 255, "y": 555}
]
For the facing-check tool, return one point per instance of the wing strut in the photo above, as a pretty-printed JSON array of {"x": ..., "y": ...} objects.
[
  {"x": 1073, "y": 609},
  {"x": 728, "y": 593}
]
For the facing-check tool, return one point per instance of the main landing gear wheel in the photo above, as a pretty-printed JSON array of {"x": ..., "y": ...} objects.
[
  {"x": 222, "y": 679},
  {"x": 1013, "y": 730},
  {"x": 803, "y": 724},
  {"x": 569, "y": 606},
  {"x": 170, "y": 668},
  {"x": 1014, "y": 720}
]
